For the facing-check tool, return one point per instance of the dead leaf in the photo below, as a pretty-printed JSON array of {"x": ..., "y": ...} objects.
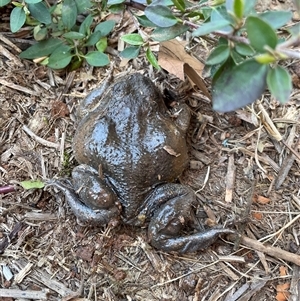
[
  {"x": 257, "y": 215},
  {"x": 282, "y": 292},
  {"x": 261, "y": 199},
  {"x": 173, "y": 57},
  {"x": 283, "y": 270},
  {"x": 170, "y": 151}
]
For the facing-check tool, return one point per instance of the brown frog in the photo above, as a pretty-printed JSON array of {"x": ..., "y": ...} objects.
[{"x": 130, "y": 149}]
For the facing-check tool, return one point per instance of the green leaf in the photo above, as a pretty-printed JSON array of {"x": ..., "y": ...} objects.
[
  {"x": 276, "y": 19},
  {"x": 180, "y": 4},
  {"x": 102, "y": 44},
  {"x": 133, "y": 39},
  {"x": 130, "y": 52},
  {"x": 114, "y": 2},
  {"x": 280, "y": 83},
  {"x": 160, "y": 15},
  {"x": 40, "y": 33},
  {"x": 17, "y": 19},
  {"x": 97, "y": 59},
  {"x": 40, "y": 49},
  {"x": 83, "y": 5},
  {"x": 69, "y": 13},
  {"x": 265, "y": 58},
  {"x": 236, "y": 57},
  {"x": 152, "y": 59},
  {"x": 85, "y": 26},
  {"x": 144, "y": 21},
  {"x": 32, "y": 184},
  {"x": 294, "y": 30},
  {"x": 73, "y": 35},
  {"x": 218, "y": 55},
  {"x": 94, "y": 38},
  {"x": 209, "y": 27},
  {"x": 243, "y": 49},
  {"x": 117, "y": 8},
  {"x": 238, "y": 8},
  {"x": 235, "y": 86},
  {"x": 161, "y": 34},
  {"x": 40, "y": 12},
  {"x": 32, "y": 1},
  {"x": 4, "y": 2},
  {"x": 249, "y": 7},
  {"x": 105, "y": 27},
  {"x": 60, "y": 57},
  {"x": 260, "y": 34},
  {"x": 162, "y": 2}
]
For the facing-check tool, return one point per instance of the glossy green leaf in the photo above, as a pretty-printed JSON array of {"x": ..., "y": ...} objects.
[
  {"x": 235, "y": 86},
  {"x": 134, "y": 39},
  {"x": 144, "y": 21},
  {"x": 40, "y": 12},
  {"x": 69, "y": 13},
  {"x": 180, "y": 4},
  {"x": 260, "y": 34},
  {"x": 60, "y": 57},
  {"x": 243, "y": 49},
  {"x": 40, "y": 49},
  {"x": 73, "y": 35},
  {"x": 32, "y": 1},
  {"x": 85, "y": 26},
  {"x": 4, "y": 2},
  {"x": 105, "y": 27},
  {"x": 101, "y": 45},
  {"x": 83, "y": 5},
  {"x": 97, "y": 59},
  {"x": 32, "y": 184},
  {"x": 210, "y": 27},
  {"x": 238, "y": 8},
  {"x": 164, "y": 34},
  {"x": 280, "y": 83},
  {"x": 160, "y": 15},
  {"x": 152, "y": 59},
  {"x": 94, "y": 38},
  {"x": 218, "y": 55},
  {"x": 17, "y": 19},
  {"x": 130, "y": 52},
  {"x": 276, "y": 19},
  {"x": 114, "y": 2}
]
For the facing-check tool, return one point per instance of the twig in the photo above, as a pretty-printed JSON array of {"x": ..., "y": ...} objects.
[
  {"x": 19, "y": 294},
  {"x": 39, "y": 139},
  {"x": 7, "y": 189}
]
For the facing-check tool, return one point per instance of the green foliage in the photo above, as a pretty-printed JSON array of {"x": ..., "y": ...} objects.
[
  {"x": 61, "y": 41},
  {"x": 244, "y": 61}
]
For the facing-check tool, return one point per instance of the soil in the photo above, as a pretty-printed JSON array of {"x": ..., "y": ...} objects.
[{"x": 243, "y": 178}]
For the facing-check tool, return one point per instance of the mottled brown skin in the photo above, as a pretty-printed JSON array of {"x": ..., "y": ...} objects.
[{"x": 130, "y": 150}]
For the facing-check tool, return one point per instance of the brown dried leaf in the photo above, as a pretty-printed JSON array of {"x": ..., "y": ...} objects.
[{"x": 173, "y": 57}]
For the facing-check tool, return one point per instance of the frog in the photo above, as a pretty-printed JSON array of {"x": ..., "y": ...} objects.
[{"x": 131, "y": 149}]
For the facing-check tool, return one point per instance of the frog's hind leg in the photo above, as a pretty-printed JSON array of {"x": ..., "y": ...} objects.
[{"x": 173, "y": 216}]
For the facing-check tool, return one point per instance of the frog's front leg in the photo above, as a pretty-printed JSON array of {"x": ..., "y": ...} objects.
[
  {"x": 90, "y": 198},
  {"x": 172, "y": 216}
]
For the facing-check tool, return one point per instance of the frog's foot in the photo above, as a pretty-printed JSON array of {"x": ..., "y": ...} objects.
[
  {"x": 82, "y": 200},
  {"x": 172, "y": 217}
]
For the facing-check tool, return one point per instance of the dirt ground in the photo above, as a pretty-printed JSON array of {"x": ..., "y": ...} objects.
[{"x": 242, "y": 176}]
